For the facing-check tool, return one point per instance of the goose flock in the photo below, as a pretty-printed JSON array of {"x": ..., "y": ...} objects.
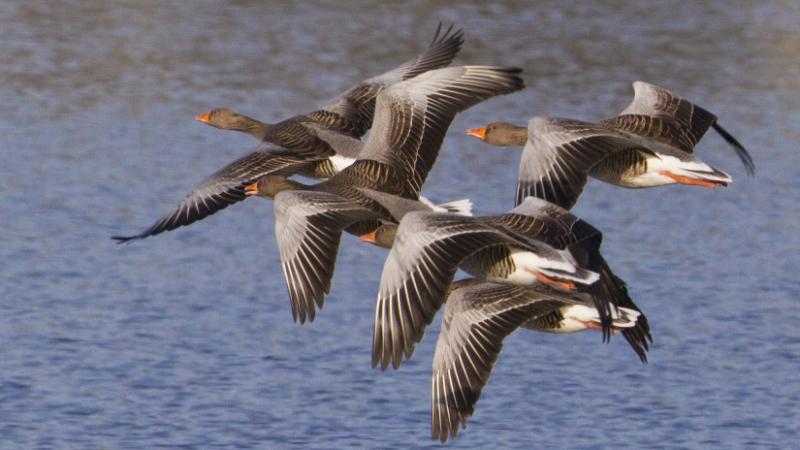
[{"x": 536, "y": 266}]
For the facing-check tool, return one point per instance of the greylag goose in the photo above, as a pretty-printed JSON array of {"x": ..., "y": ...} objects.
[
  {"x": 477, "y": 318},
  {"x": 227, "y": 119},
  {"x": 637, "y": 336},
  {"x": 411, "y": 119},
  {"x": 649, "y": 144},
  {"x": 535, "y": 242},
  {"x": 316, "y": 144}
]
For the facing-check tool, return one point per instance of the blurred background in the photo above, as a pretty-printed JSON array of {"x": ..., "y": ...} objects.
[{"x": 185, "y": 340}]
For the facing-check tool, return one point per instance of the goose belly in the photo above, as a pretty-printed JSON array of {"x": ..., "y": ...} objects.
[
  {"x": 574, "y": 319},
  {"x": 503, "y": 265},
  {"x": 634, "y": 169},
  {"x": 655, "y": 165}
]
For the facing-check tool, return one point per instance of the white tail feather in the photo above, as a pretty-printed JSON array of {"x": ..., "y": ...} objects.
[
  {"x": 620, "y": 318},
  {"x": 461, "y": 207}
]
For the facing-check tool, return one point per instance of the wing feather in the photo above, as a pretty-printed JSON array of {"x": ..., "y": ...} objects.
[
  {"x": 411, "y": 117},
  {"x": 308, "y": 227},
  {"x": 477, "y": 318},
  {"x": 224, "y": 188}
]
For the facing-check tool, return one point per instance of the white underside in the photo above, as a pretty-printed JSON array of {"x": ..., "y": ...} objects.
[
  {"x": 461, "y": 207},
  {"x": 341, "y": 162},
  {"x": 576, "y": 318},
  {"x": 667, "y": 163},
  {"x": 527, "y": 264}
]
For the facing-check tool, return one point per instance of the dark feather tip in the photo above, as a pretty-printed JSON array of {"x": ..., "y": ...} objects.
[
  {"x": 741, "y": 152},
  {"x": 125, "y": 239}
]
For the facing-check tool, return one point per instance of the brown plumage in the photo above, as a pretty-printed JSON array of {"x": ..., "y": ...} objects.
[
  {"x": 317, "y": 144},
  {"x": 650, "y": 143},
  {"x": 410, "y": 121}
]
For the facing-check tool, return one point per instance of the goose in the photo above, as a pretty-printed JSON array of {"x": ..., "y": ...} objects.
[
  {"x": 638, "y": 336},
  {"x": 649, "y": 144},
  {"x": 269, "y": 186},
  {"x": 410, "y": 122},
  {"x": 317, "y": 144},
  {"x": 323, "y": 148},
  {"x": 536, "y": 242},
  {"x": 228, "y": 119},
  {"x": 477, "y": 318}
]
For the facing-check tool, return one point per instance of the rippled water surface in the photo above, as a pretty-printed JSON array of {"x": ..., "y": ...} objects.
[{"x": 186, "y": 339}]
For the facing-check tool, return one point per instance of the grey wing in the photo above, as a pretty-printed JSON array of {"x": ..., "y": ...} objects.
[
  {"x": 412, "y": 117},
  {"x": 427, "y": 251},
  {"x": 654, "y": 110},
  {"x": 654, "y": 101},
  {"x": 308, "y": 227},
  {"x": 357, "y": 104},
  {"x": 476, "y": 320},
  {"x": 224, "y": 188},
  {"x": 558, "y": 156},
  {"x": 547, "y": 222}
]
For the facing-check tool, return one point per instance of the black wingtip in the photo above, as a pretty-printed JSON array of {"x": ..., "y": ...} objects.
[
  {"x": 637, "y": 338},
  {"x": 606, "y": 323},
  {"x": 438, "y": 30},
  {"x": 449, "y": 34},
  {"x": 743, "y": 154},
  {"x": 126, "y": 239}
]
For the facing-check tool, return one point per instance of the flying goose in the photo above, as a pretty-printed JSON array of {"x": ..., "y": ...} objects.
[
  {"x": 649, "y": 144},
  {"x": 637, "y": 336},
  {"x": 477, "y": 318},
  {"x": 317, "y": 144},
  {"x": 535, "y": 242},
  {"x": 411, "y": 119},
  {"x": 228, "y": 119}
]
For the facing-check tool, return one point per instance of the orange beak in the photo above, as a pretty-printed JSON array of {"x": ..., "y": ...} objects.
[
  {"x": 251, "y": 189},
  {"x": 368, "y": 238},
  {"x": 203, "y": 117},
  {"x": 479, "y": 133}
]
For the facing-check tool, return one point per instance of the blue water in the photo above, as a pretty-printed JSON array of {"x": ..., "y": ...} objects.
[{"x": 186, "y": 340}]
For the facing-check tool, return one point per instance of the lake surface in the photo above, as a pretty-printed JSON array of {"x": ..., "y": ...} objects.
[{"x": 185, "y": 340}]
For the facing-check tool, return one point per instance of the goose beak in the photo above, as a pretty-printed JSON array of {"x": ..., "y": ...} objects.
[
  {"x": 369, "y": 238},
  {"x": 203, "y": 117},
  {"x": 251, "y": 189},
  {"x": 479, "y": 133}
]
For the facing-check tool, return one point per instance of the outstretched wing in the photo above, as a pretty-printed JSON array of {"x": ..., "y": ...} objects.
[
  {"x": 224, "y": 188},
  {"x": 353, "y": 110},
  {"x": 657, "y": 113},
  {"x": 308, "y": 226},
  {"x": 412, "y": 117},
  {"x": 425, "y": 257},
  {"x": 477, "y": 318},
  {"x": 544, "y": 221},
  {"x": 656, "y": 102},
  {"x": 558, "y": 156},
  {"x": 555, "y": 226}
]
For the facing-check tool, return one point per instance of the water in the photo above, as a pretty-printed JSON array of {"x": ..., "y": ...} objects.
[{"x": 186, "y": 340}]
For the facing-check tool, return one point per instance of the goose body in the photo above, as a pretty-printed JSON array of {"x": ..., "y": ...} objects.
[
  {"x": 477, "y": 318},
  {"x": 537, "y": 242},
  {"x": 575, "y": 318},
  {"x": 411, "y": 118},
  {"x": 651, "y": 143},
  {"x": 318, "y": 144}
]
